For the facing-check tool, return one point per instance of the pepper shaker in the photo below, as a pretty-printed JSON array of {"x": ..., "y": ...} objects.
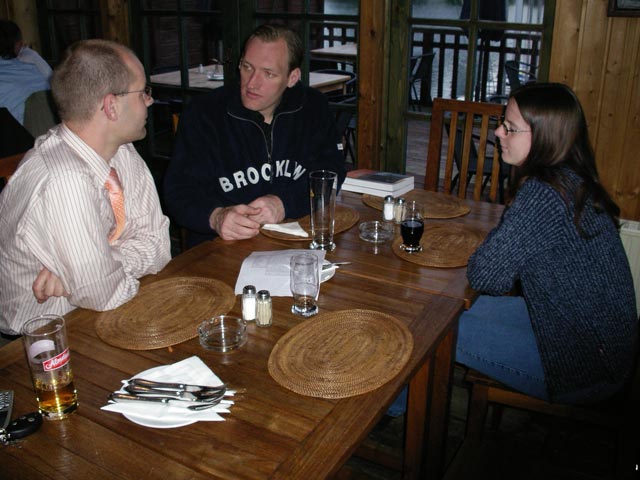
[
  {"x": 399, "y": 209},
  {"x": 263, "y": 303},
  {"x": 388, "y": 209},
  {"x": 249, "y": 303}
]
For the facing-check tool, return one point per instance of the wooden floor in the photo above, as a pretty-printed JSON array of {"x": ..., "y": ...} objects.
[{"x": 524, "y": 447}]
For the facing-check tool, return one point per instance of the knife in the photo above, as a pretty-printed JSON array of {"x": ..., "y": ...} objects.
[
  {"x": 178, "y": 387},
  {"x": 327, "y": 266},
  {"x": 124, "y": 397},
  {"x": 207, "y": 396}
]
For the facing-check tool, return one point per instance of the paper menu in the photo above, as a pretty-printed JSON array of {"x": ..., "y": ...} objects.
[{"x": 270, "y": 270}]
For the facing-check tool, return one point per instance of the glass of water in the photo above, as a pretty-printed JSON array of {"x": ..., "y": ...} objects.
[{"x": 305, "y": 282}]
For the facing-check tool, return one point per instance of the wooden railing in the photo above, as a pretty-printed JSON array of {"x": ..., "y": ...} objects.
[
  {"x": 450, "y": 63},
  {"x": 450, "y": 46}
]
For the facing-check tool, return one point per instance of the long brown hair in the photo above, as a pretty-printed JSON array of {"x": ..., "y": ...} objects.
[{"x": 560, "y": 138}]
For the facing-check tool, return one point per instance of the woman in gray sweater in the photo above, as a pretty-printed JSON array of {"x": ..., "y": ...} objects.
[{"x": 572, "y": 334}]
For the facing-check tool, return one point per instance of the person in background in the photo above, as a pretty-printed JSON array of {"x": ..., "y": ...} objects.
[
  {"x": 21, "y": 70},
  {"x": 243, "y": 153},
  {"x": 80, "y": 220},
  {"x": 571, "y": 336}
]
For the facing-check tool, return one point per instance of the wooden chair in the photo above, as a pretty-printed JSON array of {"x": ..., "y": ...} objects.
[
  {"x": 9, "y": 165},
  {"x": 40, "y": 113},
  {"x": 620, "y": 414},
  {"x": 469, "y": 125}
]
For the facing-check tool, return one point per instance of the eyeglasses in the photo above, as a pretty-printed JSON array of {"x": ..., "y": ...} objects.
[
  {"x": 146, "y": 91},
  {"x": 511, "y": 130}
]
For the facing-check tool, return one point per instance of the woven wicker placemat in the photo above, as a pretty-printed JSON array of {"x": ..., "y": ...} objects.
[
  {"x": 345, "y": 219},
  {"x": 444, "y": 244},
  {"x": 165, "y": 313},
  {"x": 341, "y": 354},
  {"x": 435, "y": 204}
]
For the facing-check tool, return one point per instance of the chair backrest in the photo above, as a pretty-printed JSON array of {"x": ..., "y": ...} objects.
[
  {"x": 420, "y": 66},
  {"x": 40, "y": 113},
  {"x": 420, "y": 70},
  {"x": 517, "y": 72},
  {"x": 9, "y": 165},
  {"x": 472, "y": 120},
  {"x": 14, "y": 138}
]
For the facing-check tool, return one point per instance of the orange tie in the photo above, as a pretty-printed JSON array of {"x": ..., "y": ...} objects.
[{"x": 116, "y": 197}]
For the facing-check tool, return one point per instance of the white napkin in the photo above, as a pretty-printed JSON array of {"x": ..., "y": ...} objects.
[
  {"x": 292, "y": 228},
  {"x": 191, "y": 370}
]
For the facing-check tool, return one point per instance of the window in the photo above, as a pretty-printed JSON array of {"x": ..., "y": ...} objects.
[
  {"x": 180, "y": 43},
  {"x": 63, "y": 22},
  {"x": 505, "y": 38}
]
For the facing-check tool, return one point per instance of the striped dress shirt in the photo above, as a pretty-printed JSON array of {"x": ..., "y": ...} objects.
[{"x": 55, "y": 213}]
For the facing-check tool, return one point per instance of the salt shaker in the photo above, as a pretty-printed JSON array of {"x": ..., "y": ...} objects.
[
  {"x": 263, "y": 303},
  {"x": 249, "y": 303},
  {"x": 388, "y": 209},
  {"x": 398, "y": 211}
]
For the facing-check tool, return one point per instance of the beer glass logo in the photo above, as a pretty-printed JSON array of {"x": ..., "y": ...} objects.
[
  {"x": 56, "y": 362},
  {"x": 40, "y": 348}
]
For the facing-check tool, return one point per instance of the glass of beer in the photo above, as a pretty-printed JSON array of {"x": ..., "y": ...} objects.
[
  {"x": 45, "y": 342},
  {"x": 412, "y": 228}
]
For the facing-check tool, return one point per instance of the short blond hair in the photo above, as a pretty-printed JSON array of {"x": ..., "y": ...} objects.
[{"x": 90, "y": 70}]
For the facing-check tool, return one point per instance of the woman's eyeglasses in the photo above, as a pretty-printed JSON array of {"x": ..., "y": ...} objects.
[{"x": 510, "y": 130}]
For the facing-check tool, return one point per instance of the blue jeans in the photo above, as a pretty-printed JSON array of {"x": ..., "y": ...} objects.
[{"x": 495, "y": 337}]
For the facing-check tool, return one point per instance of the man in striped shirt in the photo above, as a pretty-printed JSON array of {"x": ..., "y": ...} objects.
[{"x": 61, "y": 246}]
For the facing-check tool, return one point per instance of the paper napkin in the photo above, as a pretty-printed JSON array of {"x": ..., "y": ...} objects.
[
  {"x": 191, "y": 370},
  {"x": 292, "y": 228}
]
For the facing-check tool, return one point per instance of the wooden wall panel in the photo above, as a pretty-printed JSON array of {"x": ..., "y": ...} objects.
[{"x": 598, "y": 56}]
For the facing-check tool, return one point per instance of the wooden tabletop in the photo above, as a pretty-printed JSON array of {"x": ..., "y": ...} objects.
[
  {"x": 380, "y": 263},
  {"x": 271, "y": 432},
  {"x": 325, "y": 82},
  {"x": 347, "y": 51}
]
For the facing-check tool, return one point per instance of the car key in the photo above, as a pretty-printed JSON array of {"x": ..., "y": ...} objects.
[
  {"x": 23, "y": 426},
  {"x": 19, "y": 428}
]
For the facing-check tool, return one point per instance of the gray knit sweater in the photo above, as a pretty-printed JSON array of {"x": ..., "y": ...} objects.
[{"x": 579, "y": 291}]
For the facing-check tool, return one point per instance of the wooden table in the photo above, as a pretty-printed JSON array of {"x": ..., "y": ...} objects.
[
  {"x": 347, "y": 52},
  {"x": 325, "y": 82},
  {"x": 271, "y": 431},
  {"x": 382, "y": 264}
]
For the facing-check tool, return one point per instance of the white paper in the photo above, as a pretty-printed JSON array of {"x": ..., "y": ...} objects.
[{"x": 271, "y": 271}]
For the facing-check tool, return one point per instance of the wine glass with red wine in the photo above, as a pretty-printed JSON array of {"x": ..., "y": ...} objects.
[{"x": 412, "y": 228}]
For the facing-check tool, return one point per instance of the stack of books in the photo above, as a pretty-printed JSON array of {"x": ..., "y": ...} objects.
[{"x": 379, "y": 184}]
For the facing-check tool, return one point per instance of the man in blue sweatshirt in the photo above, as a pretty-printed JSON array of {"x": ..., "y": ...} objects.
[{"x": 243, "y": 153}]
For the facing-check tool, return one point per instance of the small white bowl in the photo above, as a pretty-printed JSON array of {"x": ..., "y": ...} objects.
[
  {"x": 223, "y": 333},
  {"x": 376, "y": 231}
]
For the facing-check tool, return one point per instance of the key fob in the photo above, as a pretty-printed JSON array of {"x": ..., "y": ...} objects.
[{"x": 24, "y": 425}]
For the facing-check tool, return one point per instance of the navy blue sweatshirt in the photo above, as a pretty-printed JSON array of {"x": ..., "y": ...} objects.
[{"x": 222, "y": 157}]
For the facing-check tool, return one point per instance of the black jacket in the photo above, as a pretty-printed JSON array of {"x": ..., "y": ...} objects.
[{"x": 221, "y": 155}]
